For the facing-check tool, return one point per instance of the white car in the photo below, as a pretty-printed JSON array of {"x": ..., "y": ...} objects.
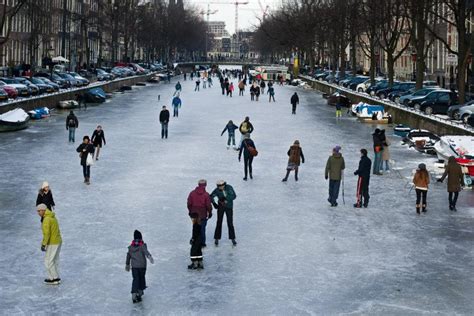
[{"x": 362, "y": 87}]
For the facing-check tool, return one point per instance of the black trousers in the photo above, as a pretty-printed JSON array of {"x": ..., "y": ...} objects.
[
  {"x": 293, "y": 109},
  {"x": 248, "y": 165},
  {"x": 363, "y": 191},
  {"x": 229, "y": 213},
  {"x": 453, "y": 200},
  {"x": 86, "y": 171},
  {"x": 139, "y": 282},
  {"x": 421, "y": 197}
]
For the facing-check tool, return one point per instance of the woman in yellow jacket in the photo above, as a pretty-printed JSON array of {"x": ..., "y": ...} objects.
[{"x": 51, "y": 243}]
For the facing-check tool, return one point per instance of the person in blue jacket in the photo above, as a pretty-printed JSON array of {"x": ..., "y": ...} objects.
[
  {"x": 176, "y": 104},
  {"x": 230, "y": 128}
]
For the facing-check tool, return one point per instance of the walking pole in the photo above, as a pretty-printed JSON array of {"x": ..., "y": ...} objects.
[{"x": 343, "y": 200}]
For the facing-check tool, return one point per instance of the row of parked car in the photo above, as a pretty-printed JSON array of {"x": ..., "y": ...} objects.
[
  {"x": 45, "y": 82},
  {"x": 431, "y": 99}
]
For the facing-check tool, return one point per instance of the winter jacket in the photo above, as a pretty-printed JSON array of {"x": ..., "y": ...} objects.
[
  {"x": 72, "y": 121},
  {"x": 225, "y": 198},
  {"x": 241, "y": 85},
  {"x": 230, "y": 128},
  {"x": 386, "y": 151},
  {"x": 377, "y": 142},
  {"x": 97, "y": 138},
  {"x": 295, "y": 99},
  {"x": 164, "y": 116},
  {"x": 137, "y": 255},
  {"x": 50, "y": 227},
  {"x": 295, "y": 154},
  {"x": 455, "y": 176},
  {"x": 421, "y": 180},
  {"x": 85, "y": 149},
  {"x": 178, "y": 86},
  {"x": 271, "y": 91},
  {"x": 176, "y": 103},
  {"x": 334, "y": 167},
  {"x": 364, "y": 167},
  {"x": 246, "y": 143},
  {"x": 262, "y": 84},
  {"x": 246, "y": 127},
  {"x": 199, "y": 202},
  {"x": 46, "y": 199}
]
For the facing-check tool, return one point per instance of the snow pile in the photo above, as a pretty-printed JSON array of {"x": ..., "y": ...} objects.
[{"x": 14, "y": 116}]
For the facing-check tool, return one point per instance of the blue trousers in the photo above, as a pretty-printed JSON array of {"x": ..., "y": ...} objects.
[
  {"x": 231, "y": 138},
  {"x": 72, "y": 134},
  {"x": 334, "y": 186},
  {"x": 377, "y": 162}
]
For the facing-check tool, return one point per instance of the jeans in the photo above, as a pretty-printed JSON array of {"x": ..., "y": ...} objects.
[
  {"x": 51, "y": 261},
  {"x": 72, "y": 134},
  {"x": 230, "y": 138},
  {"x": 334, "y": 190},
  {"x": 175, "y": 112},
  {"x": 387, "y": 168},
  {"x": 229, "y": 213},
  {"x": 86, "y": 170},
  {"x": 377, "y": 162},
  {"x": 197, "y": 88},
  {"x": 248, "y": 166},
  {"x": 164, "y": 130},
  {"x": 421, "y": 197},
  {"x": 203, "y": 231},
  {"x": 452, "y": 201}
]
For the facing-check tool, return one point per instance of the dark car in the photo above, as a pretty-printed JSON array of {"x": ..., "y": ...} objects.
[
  {"x": 73, "y": 82},
  {"x": 354, "y": 82},
  {"x": 34, "y": 89},
  {"x": 372, "y": 90},
  {"x": 43, "y": 87},
  {"x": 23, "y": 90},
  {"x": 322, "y": 75},
  {"x": 402, "y": 89},
  {"x": 383, "y": 93},
  {"x": 62, "y": 83},
  {"x": 103, "y": 75},
  {"x": 438, "y": 102},
  {"x": 48, "y": 82}
]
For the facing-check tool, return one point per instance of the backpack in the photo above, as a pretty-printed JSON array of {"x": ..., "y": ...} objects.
[{"x": 71, "y": 122}]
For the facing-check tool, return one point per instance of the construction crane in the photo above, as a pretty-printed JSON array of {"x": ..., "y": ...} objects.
[
  {"x": 237, "y": 3},
  {"x": 264, "y": 10},
  {"x": 208, "y": 12}
]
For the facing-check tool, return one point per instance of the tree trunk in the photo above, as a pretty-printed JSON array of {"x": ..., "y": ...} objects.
[
  {"x": 353, "y": 55},
  {"x": 391, "y": 68}
]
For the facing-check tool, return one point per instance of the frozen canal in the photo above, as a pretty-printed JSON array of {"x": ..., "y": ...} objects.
[{"x": 296, "y": 254}]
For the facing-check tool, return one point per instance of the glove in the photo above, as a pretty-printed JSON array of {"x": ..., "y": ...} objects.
[
  {"x": 439, "y": 180},
  {"x": 326, "y": 177},
  {"x": 127, "y": 268},
  {"x": 355, "y": 173},
  {"x": 239, "y": 159},
  {"x": 152, "y": 261},
  {"x": 210, "y": 215},
  {"x": 215, "y": 204},
  {"x": 43, "y": 248}
]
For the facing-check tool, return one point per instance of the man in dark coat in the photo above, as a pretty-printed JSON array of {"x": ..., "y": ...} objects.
[
  {"x": 295, "y": 100},
  {"x": 164, "y": 120},
  {"x": 364, "y": 177},
  {"x": 71, "y": 124},
  {"x": 378, "y": 148},
  {"x": 247, "y": 147}
]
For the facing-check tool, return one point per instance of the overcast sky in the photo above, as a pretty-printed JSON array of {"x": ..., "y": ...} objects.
[{"x": 248, "y": 13}]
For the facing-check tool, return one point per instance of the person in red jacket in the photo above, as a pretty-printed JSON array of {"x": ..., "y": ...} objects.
[{"x": 199, "y": 202}]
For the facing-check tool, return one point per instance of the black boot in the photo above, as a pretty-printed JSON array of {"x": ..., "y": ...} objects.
[
  {"x": 286, "y": 177},
  {"x": 417, "y": 209}
]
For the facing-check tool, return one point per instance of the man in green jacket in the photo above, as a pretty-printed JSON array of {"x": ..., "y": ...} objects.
[
  {"x": 334, "y": 168},
  {"x": 225, "y": 195},
  {"x": 51, "y": 243}
]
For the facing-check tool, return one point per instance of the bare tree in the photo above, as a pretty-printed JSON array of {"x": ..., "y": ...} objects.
[{"x": 7, "y": 11}]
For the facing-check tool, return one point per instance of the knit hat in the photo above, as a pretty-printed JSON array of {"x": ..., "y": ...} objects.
[
  {"x": 137, "y": 235},
  {"x": 44, "y": 185},
  {"x": 422, "y": 166},
  {"x": 377, "y": 131},
  {"x": 297, "y": 142},
  {"x": 337, "y": 149},
  {"x": 220, "y": 182},
  {"x": 41, "y": 207},
  {"x": 202, "y": 182}
]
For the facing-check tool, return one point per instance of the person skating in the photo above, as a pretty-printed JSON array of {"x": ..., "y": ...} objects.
[
  {"x": 262, "y": 86},
  {"x": 378, "y": 148},
  {"x": 71, "y": 124},
  {"x": 271, "y": 94},
  {"x": 338, "y": 109},
  {"x": 221, "y": 79},
  {"x": 184, "y": 75},
  {"x": 363, "y": 172},
  {"x": 295, "y": 100},
  {"x": 209, "y": 81},
  {"x": 421, "y": 180},
  {"x": 51, "y": 243},
  {"x": 455, "y": 180},
  {"x": 45, "y": 196},
  {"x": 196, "y": 243},
  {"x": 241, "y": 88},
  {"x": 230, "y": 128},
  {"x": 244, "y": 128},
  {"x": 98, "y": 137},
  {"x": 86, "y": 153},
  {"x": 385, "y": 152},
  {"x": 192, "y": 75},
  {"x": 231, "y": 89},
  {"x": 295, "y": 154},
  {"x": 225, "y": 195},
  {"x": 257, "y": 92},
  {"x": 204, "y": 82},
  {"x": 252, "y": 92},
  {"x": 198, "y": 82},
  {"x": 178, "y": 88},
  {"x": 176, "y": 104},
  {"x": 199, "y": 202},
  {"x": 164, "y": 120},
  {"x": 334, "y": 168},
  {"x": 136, "y": 260},
  {"x": 250, "y": 151}
]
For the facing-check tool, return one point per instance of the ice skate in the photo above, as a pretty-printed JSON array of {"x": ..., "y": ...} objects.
[
  {"x": 234, "y": 243},
  {"x": 192, "y": 266},
  {"x": 216, "y": 242},
  {"x": 200, "y": 265}
]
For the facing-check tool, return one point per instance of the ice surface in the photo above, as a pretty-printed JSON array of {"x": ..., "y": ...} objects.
[{"x": 296, "y": 255}]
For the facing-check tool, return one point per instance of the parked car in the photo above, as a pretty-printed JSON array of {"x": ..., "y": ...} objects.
[
  {"x": 22, "y": 90},
  {"x": 354, "y": 82},
  {"x": 73, "y": 82},
  {"x": 402, "y": 89},
  {"x": 382, "y": 84},
  {"x": 384, "y": 93},
  {"x": 438, "y": 101},
  {"x": 43, "y": 87},
  {"x": 34, "y": 89},
  {"x": 83, "y": 81},
  {"x": 465, "y": 111},
  {"x": 63, "y": 83},
  {"x": 405, "y": 99},
  {"x": 11, "y": 91},
  {"x": 103, "y": 75},
  {"x": 3, "y": 95},
  {"x": 45, "y": 80}
]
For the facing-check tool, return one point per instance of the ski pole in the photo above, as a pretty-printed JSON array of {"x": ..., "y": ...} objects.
[{"x": 343, "y": 200}]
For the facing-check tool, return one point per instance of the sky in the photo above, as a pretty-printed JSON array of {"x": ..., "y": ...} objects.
[{"x": 248, "y": 14}]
